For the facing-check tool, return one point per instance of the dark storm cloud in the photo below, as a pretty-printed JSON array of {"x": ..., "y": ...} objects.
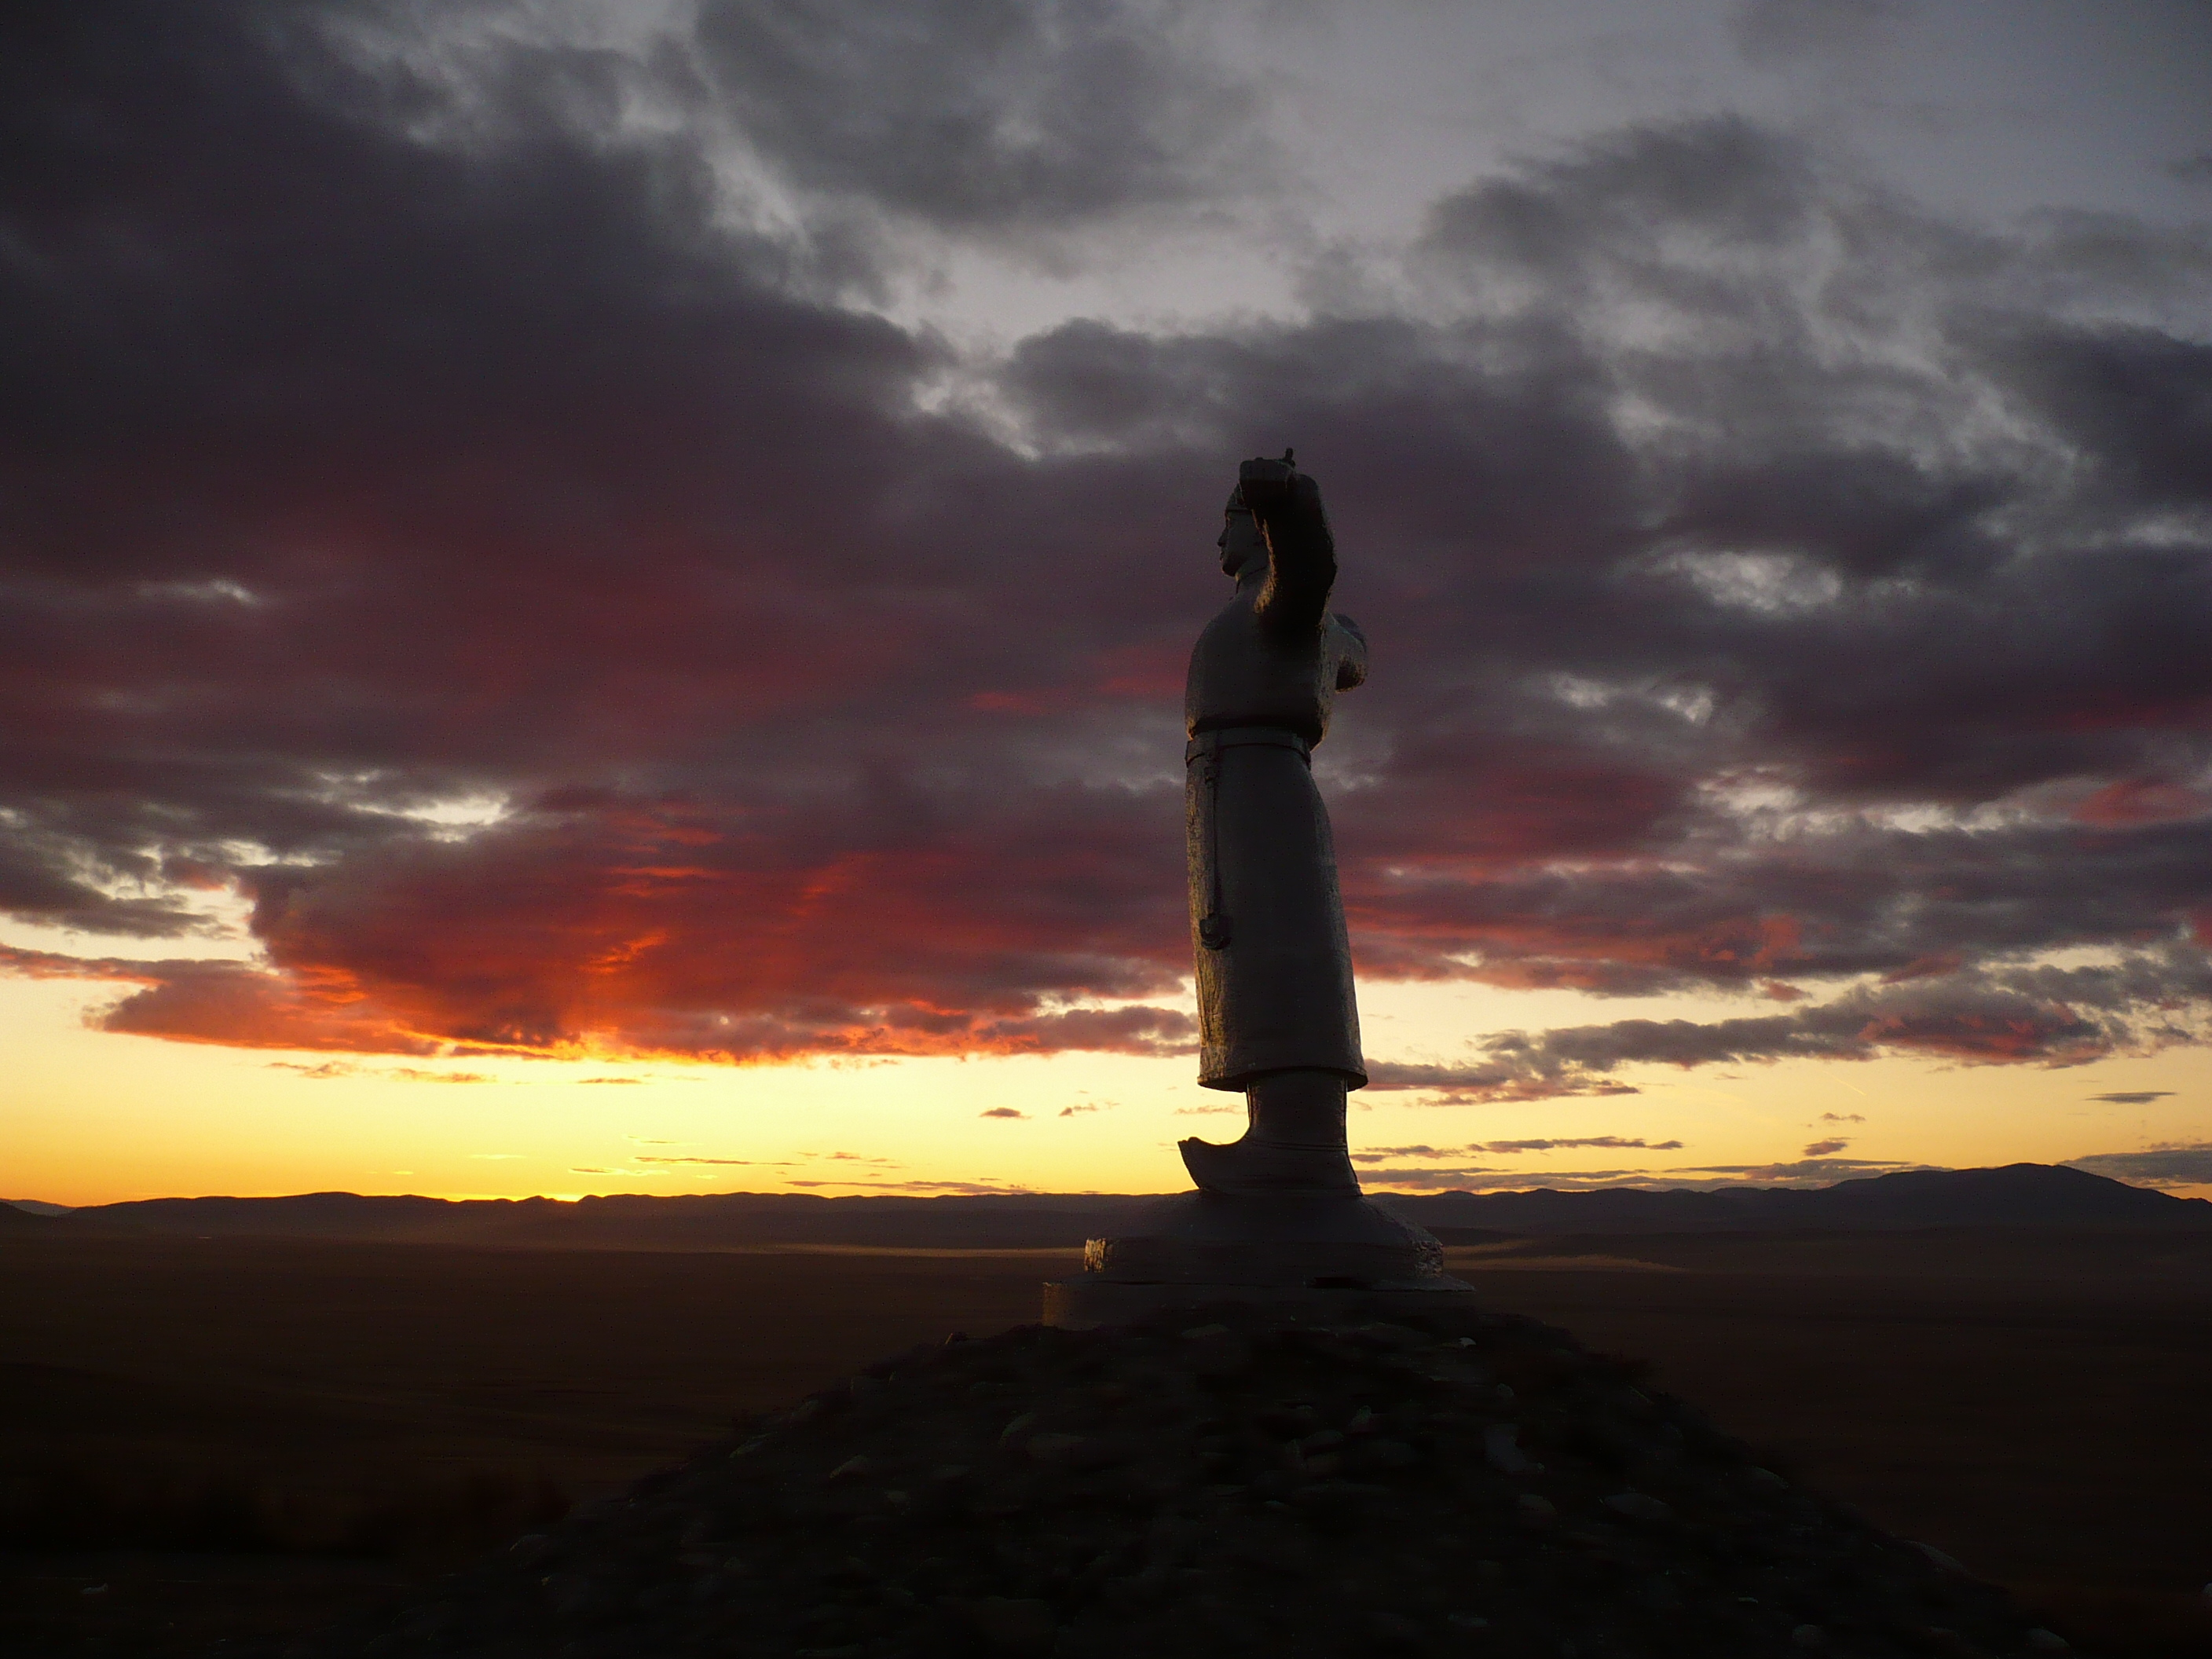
[
  {"x": 985, "y": 118},
  {"x": 451, "y": 514},
  {"x": 2135, "y": 402},
  {"x": 352, "y": 473},
  {"x": 2046, "y": 1016},
  {"x": 1859, "y": 693},
  {"x": 1783, "y": 31},
  {"x": 1452, "y": 1085},
  {"x": 45, "y": 876}
]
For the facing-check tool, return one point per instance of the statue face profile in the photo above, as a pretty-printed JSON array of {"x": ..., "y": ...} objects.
[{"x": 1240, "y": 541}]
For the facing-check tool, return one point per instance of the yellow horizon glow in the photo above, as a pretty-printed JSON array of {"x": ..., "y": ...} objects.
[{"x": 92, "y": 1118}]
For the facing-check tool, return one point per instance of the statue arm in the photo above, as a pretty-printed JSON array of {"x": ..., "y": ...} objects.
[
  {"x": 1351, "y": 654},
  {"x": 1301, "y": 550}
]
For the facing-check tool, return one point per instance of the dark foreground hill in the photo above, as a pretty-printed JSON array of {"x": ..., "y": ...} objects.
[
  {"x": 1466, "y": 1483},
  {"x": 2018, "y": 1195}
]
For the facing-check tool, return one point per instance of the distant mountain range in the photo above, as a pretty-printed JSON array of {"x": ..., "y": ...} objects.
[
  {"x": 2016, "y": 1195},
  {"x": 35, "y": 1206}
]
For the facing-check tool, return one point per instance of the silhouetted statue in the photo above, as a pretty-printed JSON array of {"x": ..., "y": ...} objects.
[
  {"x": 1276, "y": 1009},
  {"x": 1278, "y": 1219}
]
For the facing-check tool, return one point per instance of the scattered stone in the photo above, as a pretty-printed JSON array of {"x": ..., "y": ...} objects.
[
  {"x": 1253, "y": 1484},
  {"x": 1947, "y": 1563},
  {"x": 1638, "y": 1506},
  {"x": 1500, "y": 1451}
]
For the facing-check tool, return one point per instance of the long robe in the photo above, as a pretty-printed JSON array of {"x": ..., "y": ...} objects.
[{"x": 1275, "y": 965}]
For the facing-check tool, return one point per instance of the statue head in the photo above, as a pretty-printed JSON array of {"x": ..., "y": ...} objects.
[{"x": 1240, "y": 542}]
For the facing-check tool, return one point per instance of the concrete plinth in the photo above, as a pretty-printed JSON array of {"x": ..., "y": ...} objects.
[{"x": 1327, "y": 1254}]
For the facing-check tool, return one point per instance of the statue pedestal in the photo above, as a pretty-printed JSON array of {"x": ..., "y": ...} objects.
[{"x": 1326, "y": 1254}]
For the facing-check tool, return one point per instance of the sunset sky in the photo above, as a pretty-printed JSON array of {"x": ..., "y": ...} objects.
[{"x": 593, "y": 596}]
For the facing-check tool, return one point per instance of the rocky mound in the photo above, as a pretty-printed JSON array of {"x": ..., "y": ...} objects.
[{"x": 1466, "y": 1485}]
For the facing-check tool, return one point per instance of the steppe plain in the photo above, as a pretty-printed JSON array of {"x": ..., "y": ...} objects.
[{"x": 226, "y": 1439}]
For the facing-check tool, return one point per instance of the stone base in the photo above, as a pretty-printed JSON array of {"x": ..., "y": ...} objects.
[{"x": 1324, "y": 1256}]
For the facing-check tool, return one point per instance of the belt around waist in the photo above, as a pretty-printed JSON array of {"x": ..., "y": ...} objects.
[{"x": 1247, "y": 737}]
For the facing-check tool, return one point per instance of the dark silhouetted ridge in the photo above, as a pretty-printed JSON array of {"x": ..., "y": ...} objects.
[
  {"x": 629, "y": 1221},
  {"x": 2016, "y": 1195}
]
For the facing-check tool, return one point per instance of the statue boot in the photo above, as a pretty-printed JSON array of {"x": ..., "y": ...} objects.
[{"x": 1293, "y": 1143}]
